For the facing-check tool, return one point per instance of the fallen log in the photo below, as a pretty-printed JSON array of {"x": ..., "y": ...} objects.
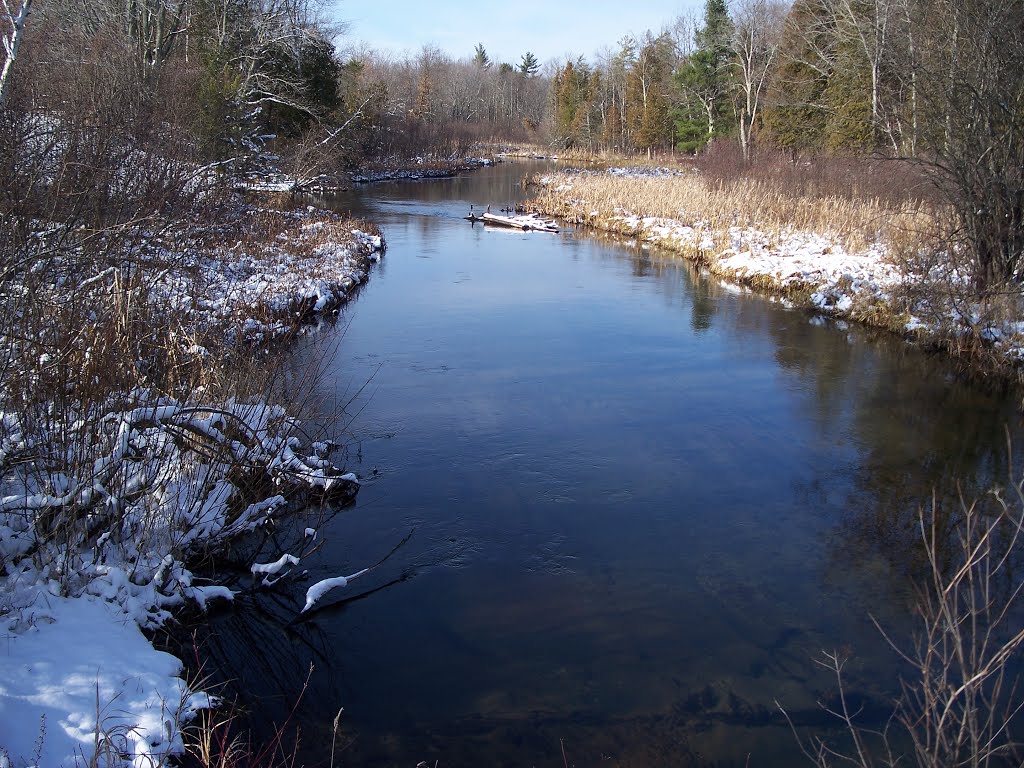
[{"x": 527, "y": 222}]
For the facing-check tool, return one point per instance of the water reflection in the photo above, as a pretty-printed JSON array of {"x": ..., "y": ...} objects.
[{"x": 642, "y": 503}]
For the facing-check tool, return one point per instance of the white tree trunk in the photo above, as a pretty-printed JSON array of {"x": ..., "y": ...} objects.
[{"x": 12, "y": 42}]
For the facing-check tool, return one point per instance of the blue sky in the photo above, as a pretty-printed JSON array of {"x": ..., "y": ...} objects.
[{"x": 549, "y": 28}]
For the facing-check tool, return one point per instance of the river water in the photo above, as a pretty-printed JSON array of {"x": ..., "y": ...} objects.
[{"x": 641, "y": 503}]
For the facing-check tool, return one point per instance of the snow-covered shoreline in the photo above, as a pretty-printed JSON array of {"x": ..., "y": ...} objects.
[
  {"x": 917, "y": 298},
  {"x": 95, "y": 550},
  {"x": 416, "y": 169}
]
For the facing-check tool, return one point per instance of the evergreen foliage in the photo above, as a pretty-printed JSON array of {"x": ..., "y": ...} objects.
[
  {"x": 648, "y": 114},
  {"x": 528, "y": 65},
  {"x": 797, "y": 113},
  {"x": 480, "y": 57},
  {"x": 706, "y": 81},
  {"x": 575, "y": 87}
]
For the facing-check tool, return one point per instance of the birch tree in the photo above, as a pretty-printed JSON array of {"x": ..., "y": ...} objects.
[
  {"x": 756, "y": 39},
  {"x": 13, "y": 20}
]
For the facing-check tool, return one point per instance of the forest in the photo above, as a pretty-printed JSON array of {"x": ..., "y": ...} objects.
[
  {"x": 274, "y": 85},
  {"x": 157, "y": 252}
]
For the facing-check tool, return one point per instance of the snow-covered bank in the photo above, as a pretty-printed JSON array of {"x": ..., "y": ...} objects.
[
  {"x": 421, "y": 168},
  {"x": 106, "y": 495},
  {"x": 840, "y": 260},
  {"x": 412, "y": 170}
]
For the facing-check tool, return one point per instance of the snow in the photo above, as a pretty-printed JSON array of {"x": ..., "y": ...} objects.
[
  {"x": 99, "y": 674},
  {"x": 321, "y": 588},
  {"x": 78, "y": 678},
  {"x": 272, "y": 569},
  {"x": 812, "y": 269}
]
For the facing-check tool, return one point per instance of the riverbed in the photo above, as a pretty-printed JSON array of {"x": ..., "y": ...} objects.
[{"x": 639, "y": 504}]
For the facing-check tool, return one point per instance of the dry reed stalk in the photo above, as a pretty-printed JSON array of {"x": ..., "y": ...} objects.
[{"x": 692, "y": 200}]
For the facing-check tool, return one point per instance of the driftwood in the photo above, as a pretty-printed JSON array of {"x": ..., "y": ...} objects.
[{"x": 527, "y": 222}]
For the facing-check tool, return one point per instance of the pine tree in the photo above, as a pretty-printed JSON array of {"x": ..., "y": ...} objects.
[
  {"x": 529, "y": 66},
  {"x": 706, "y": 80},
  {"x": 647, "y": 103},
  {"x": 797, "y": 112},
  {"x": 574, "y": 89},
  {"x": 480, "y": 57},
  {"x": 822, "y": 99}
]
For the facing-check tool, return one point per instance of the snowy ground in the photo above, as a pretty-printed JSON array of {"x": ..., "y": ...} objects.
[
  {"x": 96, "y": 550},
  {"x": 814, "y": 269},
  {"x": 411, "y": 170},
  {"x": 422, "y": 168}
]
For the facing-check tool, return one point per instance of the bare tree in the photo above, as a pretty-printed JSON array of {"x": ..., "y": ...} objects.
[
  {"x": 971, "y": 98},
  {"x": 154, "y": 27},
  {"x": 757, "y": 36},
  {"x": 958, "y": 706}
]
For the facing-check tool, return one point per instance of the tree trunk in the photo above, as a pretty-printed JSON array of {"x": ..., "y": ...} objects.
[{"x": 12, "y": 42}]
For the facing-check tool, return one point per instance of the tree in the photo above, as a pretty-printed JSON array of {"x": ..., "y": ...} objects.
[
  {"x": 13, "y": 19},
  {"x": 480, "y": 57},
  {"x": 706, "y": 79},
  {"x": 756, "y": 41},
  {"x": 647, "y": 102},
  {"x": 574, "y": 89},
  {"x": 972, "y": 106},
  {"x": 152, "y": 27},
  {"x": 864, "y": 29},
  {"x": 529, "y": 66},
  {"x": 822, "y": 96}
]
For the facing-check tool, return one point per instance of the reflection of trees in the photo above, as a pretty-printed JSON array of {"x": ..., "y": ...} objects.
[
  {"x": 925, "y": 436},
  {"x": 678, "y": 280},
  {"x": 919, "y": 429},
  {"x": 903, "y": 421},
  {"x": 703, "y": 300}
]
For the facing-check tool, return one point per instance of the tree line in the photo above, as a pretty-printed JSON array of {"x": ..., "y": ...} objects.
[
  {"x": 849, "y": 76},
  {"x": 936, "y": 81},
  {"x": 238, "y": 72}
]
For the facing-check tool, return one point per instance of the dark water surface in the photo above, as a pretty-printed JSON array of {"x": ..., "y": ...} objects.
[{"x": 642, "y": 503}]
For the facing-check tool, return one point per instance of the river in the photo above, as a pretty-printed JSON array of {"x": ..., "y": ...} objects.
[{"x": 641, "y": 503}]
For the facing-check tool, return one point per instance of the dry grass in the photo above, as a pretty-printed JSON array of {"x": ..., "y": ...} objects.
[
  {"x": 714, "y": 207},
  {"x": 898, "y": 257}
]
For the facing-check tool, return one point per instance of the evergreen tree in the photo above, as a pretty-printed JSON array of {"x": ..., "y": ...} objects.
[
  {"x": 850, "y": 126},
  {"x": 529, "y": 66},
  {"x": 822, "y": 99},
  {"x": 574, "y": 89},
  {"x": 480, "y": 57},
  {"x": 647, "y": 95},
  {"x": 797, "y": 112},
  {"x": 706, "y": 80}
]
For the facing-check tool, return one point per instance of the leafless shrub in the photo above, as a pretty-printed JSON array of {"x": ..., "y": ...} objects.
[
  {"x": 890, "y": 181},
  {"x": 110, "y": 323},
  {"x": 961, "y": 702}
]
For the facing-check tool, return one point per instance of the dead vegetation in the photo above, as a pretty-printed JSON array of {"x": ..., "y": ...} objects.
[
  {"x": 960, "y": 698},
  {"x": 871, "y": 245},
  {"x": 713, "y": 206}
]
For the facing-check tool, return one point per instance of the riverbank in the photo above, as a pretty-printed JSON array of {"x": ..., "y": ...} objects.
[
  {"x": 412, "y": 169},
  {"x": 864, "y": 260},
  {"x": 146, "y": 421}
]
